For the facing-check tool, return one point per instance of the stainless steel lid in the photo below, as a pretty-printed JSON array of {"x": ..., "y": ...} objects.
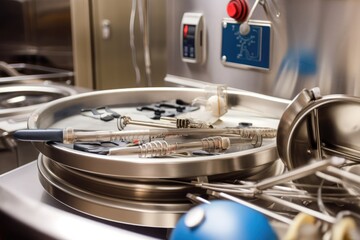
[{"x": 316, "y": 127}]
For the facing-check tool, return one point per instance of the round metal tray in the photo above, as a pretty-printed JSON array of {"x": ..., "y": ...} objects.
[
  {"x": 159, "y": 190},
  {"x": 150, "y": 213},
  {"x": 17, "y": 99},
  {"x": 66, "y": 113},
  {"x": 143, "y": 202},
  {"x": 17, "y": 102},
  {"x": 144, "y": 191}
]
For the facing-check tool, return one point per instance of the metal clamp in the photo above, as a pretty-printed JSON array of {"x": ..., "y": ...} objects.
[{"x": 245, "y": 27}]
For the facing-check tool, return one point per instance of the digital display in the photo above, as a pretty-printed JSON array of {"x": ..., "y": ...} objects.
[{"x": 189, "y": 41}]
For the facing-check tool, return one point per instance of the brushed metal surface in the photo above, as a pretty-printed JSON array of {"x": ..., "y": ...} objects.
[
  {"x": 37, "y": 32},
  {"x": 164, "y": 215},
  {"x": 108, "y": 61},
  {"x": 142, "y": 202},
  {"x": 17, "y": 102},
  {"x": 65, "y": 112},
  {"x": 315, "y": 43},
  {"x": 18, "y": 209},
  {"x": 25, "y": 198},
  {"x": 338, "y": 130},
  {"x": 55, "y": 90},
  {"x": 150, "y": 190}
]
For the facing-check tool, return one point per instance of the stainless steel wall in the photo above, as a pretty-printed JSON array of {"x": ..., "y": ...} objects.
[
  {"x": 105, "y": 63},
  {"x": 36, "y": 31},
  {"x": 320, "y": 35}
]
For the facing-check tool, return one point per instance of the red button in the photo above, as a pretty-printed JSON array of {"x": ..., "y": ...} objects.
[
  {"x": 238, "y": 9},
  {"x": 232, "y": 9},
  {"x": 185, "y": 30}
]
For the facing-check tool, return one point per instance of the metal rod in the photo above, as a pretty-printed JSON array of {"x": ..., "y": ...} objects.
[
  {"x": 316, "y": 128},
  {"x": 163, "y": 148},
  {"x": 251, "y": 193},
  {"x": 186, "y": 122},
  {"x": 299, "y": 172},
  {"x": 353, "y": 178},
  {"x": 297, "y": 207},
  {"x": 125, "y": 120},
  {"x": 252, "y": 11},
  {"x": 252, "y": 206},
  {"x": 69, "y": 135},
  {"x": 197, "y": 199},
  {"x": 355, "y": 156},
  {"x": 72, "y": 136}
]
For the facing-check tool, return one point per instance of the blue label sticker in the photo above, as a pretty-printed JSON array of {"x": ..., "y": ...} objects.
[{"x": 251, "y": 50}]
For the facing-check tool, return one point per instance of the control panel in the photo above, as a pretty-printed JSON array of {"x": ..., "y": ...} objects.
[
  {"x": 250, "y": 50},
  {"x": 193, "y": 38}
]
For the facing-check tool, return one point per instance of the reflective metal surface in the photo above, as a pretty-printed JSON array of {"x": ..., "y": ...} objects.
[
  {"x": 302, "y": 56},
  {"x": 37, "y": 32},
  {"x": 24, "y": 200},
  {"x": 20, "y": 99},
  {"x": 17, "y": 209},
  {"x": 143, "y": 202},
  {"x": 105, "y": 62},
  {"x": 151, "y": 190},
  {"x": 65, "y": 112},
  {"x": 316, "y": 127},
  {"x": 23, "y": 73},
  {"x": 17, "y": 102},
  {"x": 114, "y": 208},
  {"x": 145, "y": 191}
]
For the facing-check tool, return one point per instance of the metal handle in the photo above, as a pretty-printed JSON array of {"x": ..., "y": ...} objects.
[
  {"x": 163, "y": 148},
  {"x": 245, "y": 27},
  {"x": 106, "y": 29}
]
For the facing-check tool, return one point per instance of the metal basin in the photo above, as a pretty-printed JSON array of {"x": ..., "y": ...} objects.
[{"x": 145, "y": 191}]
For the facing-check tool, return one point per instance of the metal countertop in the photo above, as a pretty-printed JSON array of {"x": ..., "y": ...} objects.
[{"x": 23, "y": 183}]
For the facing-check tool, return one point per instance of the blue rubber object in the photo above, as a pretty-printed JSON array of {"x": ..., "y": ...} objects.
[
  {"x": 39, "y": 135},
  {"x": 221, "y": 220}
]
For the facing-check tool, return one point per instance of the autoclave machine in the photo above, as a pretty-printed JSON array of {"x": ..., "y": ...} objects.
[{"x": 256, "y": 55}]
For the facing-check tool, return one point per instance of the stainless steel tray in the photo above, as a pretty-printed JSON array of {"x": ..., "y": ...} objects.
[
  {"x": 143, "y": 202},
  {"x": 65, "y": 112},
  {"x": 145, "y": 191},
  {"x": 155, "y": 214},
  {"x": 17, "y": 102},
  {"x": 14, "y": 97}
]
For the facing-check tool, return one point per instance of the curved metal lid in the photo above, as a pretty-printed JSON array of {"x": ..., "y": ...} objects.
[{"x": 316, "y": 127}]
